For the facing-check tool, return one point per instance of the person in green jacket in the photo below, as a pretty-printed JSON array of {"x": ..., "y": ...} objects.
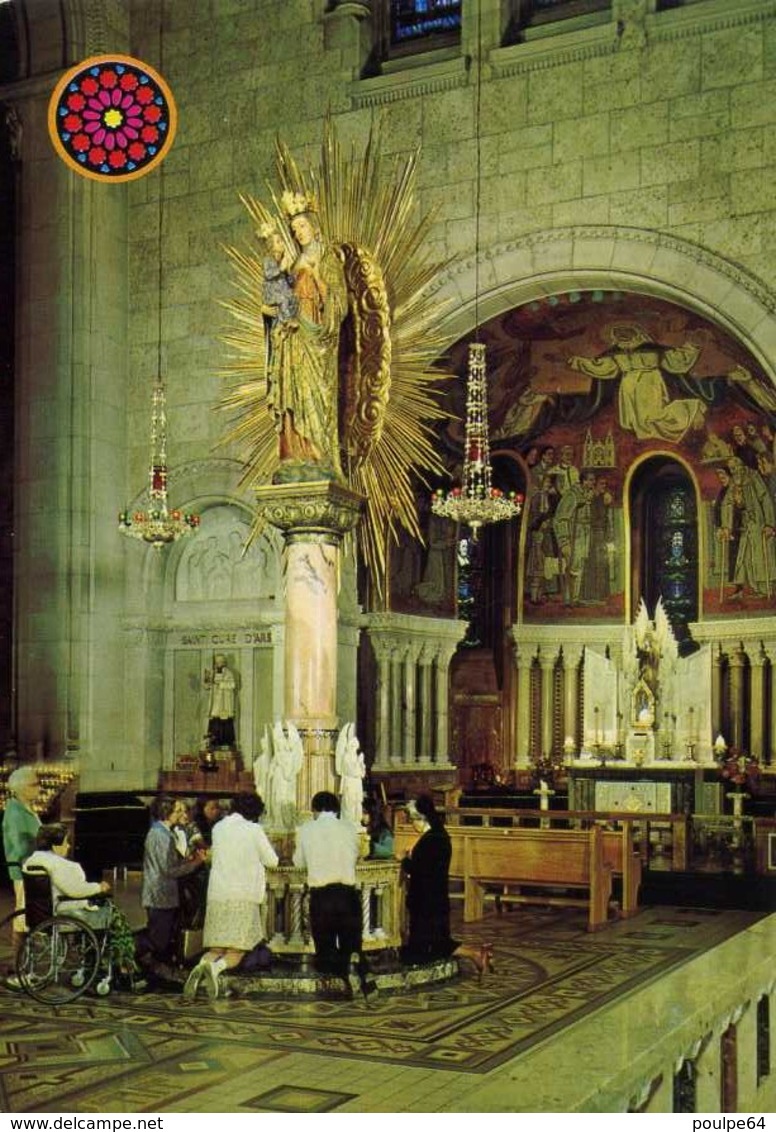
[{"x": 20, "y": 829}]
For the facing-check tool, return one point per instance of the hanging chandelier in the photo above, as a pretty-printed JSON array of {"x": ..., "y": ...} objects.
[
  {"x": 158, "y": 526},
  {"x": 476, "y": 502}
]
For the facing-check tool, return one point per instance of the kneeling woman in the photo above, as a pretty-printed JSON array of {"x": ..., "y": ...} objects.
[
  {"x": 427, "y": 872},
  {"x": 234, "y": 916}
]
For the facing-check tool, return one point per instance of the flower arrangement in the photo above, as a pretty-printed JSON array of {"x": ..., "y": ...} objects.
[
  {"x": 738, "y": 768},
  {"x": 546, "y": 768}
]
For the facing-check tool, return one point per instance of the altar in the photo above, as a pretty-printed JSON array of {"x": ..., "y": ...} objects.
[{"x": 661, "y": 788}]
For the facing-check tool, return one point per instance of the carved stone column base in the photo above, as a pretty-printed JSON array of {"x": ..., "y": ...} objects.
[{"x": 318, "y": 769}]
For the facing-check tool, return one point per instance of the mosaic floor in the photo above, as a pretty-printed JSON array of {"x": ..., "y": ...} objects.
[{"x": 401, "y": 1052}]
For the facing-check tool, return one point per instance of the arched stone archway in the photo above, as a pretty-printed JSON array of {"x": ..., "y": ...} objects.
[{"x": 612, "y": 258}]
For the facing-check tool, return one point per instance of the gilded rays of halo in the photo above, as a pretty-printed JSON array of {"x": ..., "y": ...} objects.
[{"x": 391, "y": 394}]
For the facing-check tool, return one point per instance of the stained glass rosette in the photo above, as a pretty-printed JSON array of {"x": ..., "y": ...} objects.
[{"x": 112, "y": 118}]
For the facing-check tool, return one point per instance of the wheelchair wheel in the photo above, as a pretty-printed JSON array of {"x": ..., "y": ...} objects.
[{"x": 58, "y": 960}]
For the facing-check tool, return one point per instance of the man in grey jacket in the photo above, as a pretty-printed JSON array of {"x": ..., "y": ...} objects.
[{"x": 162, "y": 868}]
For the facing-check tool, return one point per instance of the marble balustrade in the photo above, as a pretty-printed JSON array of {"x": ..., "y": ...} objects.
[
  {"x": 635, "y": 1048},
  {"x": 380, "y": 895}
]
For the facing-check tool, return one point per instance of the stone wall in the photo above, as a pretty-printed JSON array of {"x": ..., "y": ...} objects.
[{"x": 634, "y": 152}]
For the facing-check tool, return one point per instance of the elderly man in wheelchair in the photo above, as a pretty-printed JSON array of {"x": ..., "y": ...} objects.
[{"x": 76, "y": 937}]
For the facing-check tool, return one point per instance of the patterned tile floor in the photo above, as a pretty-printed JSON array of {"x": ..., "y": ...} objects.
[{"x": 418, "y": 1052}]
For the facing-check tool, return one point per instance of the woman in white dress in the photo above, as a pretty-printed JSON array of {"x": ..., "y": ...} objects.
[{"x": 234, "y": 917}]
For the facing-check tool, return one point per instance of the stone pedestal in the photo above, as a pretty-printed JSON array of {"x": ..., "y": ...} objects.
[{"x": 314, "y": 517}]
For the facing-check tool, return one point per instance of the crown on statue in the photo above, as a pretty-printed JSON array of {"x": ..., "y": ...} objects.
[
  {"x": 267, "y": 228},
  {"x": 294, "y": 204}
]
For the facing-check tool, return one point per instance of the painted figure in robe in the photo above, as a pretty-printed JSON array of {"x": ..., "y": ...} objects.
[{"x": 644, "y": 404}]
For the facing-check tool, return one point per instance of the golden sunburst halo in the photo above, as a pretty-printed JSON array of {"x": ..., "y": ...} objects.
[{"x": 369, "y": 211}]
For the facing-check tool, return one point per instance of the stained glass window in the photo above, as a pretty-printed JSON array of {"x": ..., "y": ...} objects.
[
  {"x": 666, "y": 509},
  {"x": 675, "y": 561},
  {"x": 470, "y": 587},
  {"x": 538, "y": 13},
  {"x": 414, "y": 19}
]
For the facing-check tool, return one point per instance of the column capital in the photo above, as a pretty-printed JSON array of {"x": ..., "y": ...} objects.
[
  {"x": 444, "y": 656},
  {"x": 356, "y": 9},
  {"x": 524, "y": 655},
  {"x": 320, "y": 510}
]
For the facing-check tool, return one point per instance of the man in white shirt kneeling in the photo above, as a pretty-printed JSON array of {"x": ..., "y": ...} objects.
[{"x": 328, "y": 846}]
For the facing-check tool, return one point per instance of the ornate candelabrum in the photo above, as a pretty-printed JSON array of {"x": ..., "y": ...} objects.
[
  {"x": 476, "y": 502},
  {"x": 158, "y": 525}
]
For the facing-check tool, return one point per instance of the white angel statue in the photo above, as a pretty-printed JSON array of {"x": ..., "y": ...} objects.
[
  {"x": 261, "y": 767},
  {"x": 284, "y": 767},
  {"x": 349, "y": 765}
]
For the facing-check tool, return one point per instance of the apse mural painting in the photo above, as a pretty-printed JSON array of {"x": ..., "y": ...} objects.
[{"x": 586, "y": 386}]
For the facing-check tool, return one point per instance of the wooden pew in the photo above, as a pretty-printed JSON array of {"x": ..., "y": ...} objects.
[
  {"x": 538, "y": 858},
  {"x": 625, "y": 860},
  {"x": 527, "y": 858}
]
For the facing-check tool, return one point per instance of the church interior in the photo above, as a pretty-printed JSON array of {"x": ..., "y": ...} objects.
[{"x": 449, "y": 327}]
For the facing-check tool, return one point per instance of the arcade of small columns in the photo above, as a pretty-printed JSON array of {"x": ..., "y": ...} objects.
[
  {"x": 550, "y": 675},
  {"x": 413, "y": 656}
]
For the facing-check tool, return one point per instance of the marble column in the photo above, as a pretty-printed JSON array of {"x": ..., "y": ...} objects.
[
  {"x": 397, "y": 711},
  {"x": 737, "y": 660},
  {"x": 383, "y": 720},
  {"x": 757, "y": 662},
  {"x": 523, "y": 661},
  {"x": 716, "y": 693},
  {"x": 442, "y": 686},
  {"x": 547, "y": 662},
  {"x": 572, "y": 655},
  {"x": 426, "y": 704},
  {"x": 769, "y": 755},
  {"x": 313, "y": 517},
  {"x": 708, "y": 1075},
  {"x": 410, "y": 705}
]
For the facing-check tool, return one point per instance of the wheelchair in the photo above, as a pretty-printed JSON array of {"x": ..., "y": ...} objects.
[{"x": 62, "y": 956}]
